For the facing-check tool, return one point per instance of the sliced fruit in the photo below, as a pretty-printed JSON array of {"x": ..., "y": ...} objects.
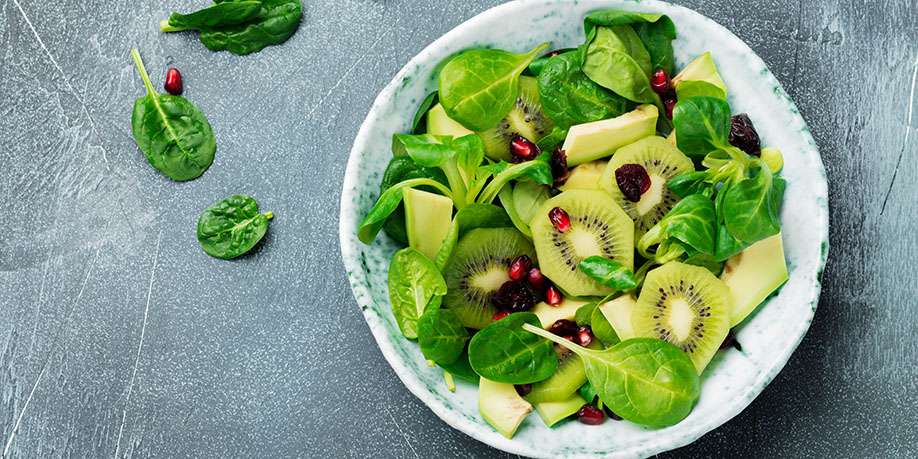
[
  {"x": 618, "y": 313},
  {"x": 549, "y": 314},
  {"x": 478, "y": 268},
  {"x": 569, "y": 376},
  {"x": 590, "y": 141},
  {"x": 585, "y": 176},
  {"x": 753, "y": 274},
  {"x": 428, "y": 217},
  {"x": 597, "y": 226},
  {"x": 701, "y": 69},
  {"x": 526, "y": 119},
  {"x": 687, "y": 306},
  {"x": 501, "y": 406},
  {"x": 554, "y": 412},
  {"x": 662, "y": 161},
  {"x": 773, "y": 159},
  {"x": 439, "y": 123}
]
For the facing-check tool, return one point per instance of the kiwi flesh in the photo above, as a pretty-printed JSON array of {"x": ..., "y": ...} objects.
[
  {"x": 598, "y": 227},
  {"x": 662, "y": 161},
  {"x": 478, "y": 268},
  {"x": 526, "y": 119},
  {"x": 687, "y": 306}
]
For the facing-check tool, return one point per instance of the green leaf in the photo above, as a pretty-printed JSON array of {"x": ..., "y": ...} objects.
[
  {"x": 698, "y": 88},
  {"x": 588, "y": 392},
  {"x": 414, "y": 285},
  {"x": 656, "y": 31},
  {"x": 276, "y": 22},
  {"x": 569, "y": 97},
  {"x": 585, "y": 313},
  {"x": 427, "y": 150},
  {"x": 726, "y": 245},
  {"x": 403, "y": 168},
  {"x": 752, "y": 207},
  {"x": 232, "y": 227},
  {"x": 482, "y": 216},
  {"x": 417, "y": 125},
  {"x": 528, "y": 198},
  {"x": 479, "y": 87},
  {"x": 217, "y": 15},
  {"x": 602, "y": 329},
  {"x": 536, "y": 67},
  {"x": 449, "y": 244},
  {"x": 441, "y": 336},
  {"x": 503, "y": 352},
  {"x": 387, "y": 203},
  {"x": 461, "y": 368},
  {"x": 609, "y": 273},
  {"x": 691, "y": 183},
  {"x": 690, "y": 223},
  {"x": 553, "y": 140},
  {"x": 172, "y": 132},
  {"x": 616, "y": 59},
  {"x": 538, "y": 170},
  {"x": 702, "y": 125}
]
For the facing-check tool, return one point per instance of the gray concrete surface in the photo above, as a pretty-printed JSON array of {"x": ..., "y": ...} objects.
[{"x": 120, "y": 337}]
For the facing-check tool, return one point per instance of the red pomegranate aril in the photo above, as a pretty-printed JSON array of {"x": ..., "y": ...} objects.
[
  {"x": 669, "y": 104},
  {"x": 564, "y": 327},
  {"x": 536, "y": 279},
  {"x": 660, "y": 82},
  {"x": 499, "y": 315},
  {"x": 173, "y": 82},
  {"x": 522, "y": 149},
  {"x": 590, "y": 415},
  {"x": 584, "y": 336},
  {"x": 523, "y": 389},
  {"x": 559, "y": 219},
  {"x": 519, "y": 267},
  {"x": 553, "y": 296}
]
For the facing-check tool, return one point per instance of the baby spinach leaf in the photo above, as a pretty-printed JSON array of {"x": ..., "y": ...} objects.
[
  {"x": 441, "y": 336},
  {"x": 276, "y": 21},
  {"x": 528, "y": 198},
  {"x": 231, "y": 227},
  {"x": 173, "y": 134},
  {"x": 644, "y": 380},
  {"x": 609, "y": 273},
  {"x": 503, "y": 352},
  {"x": 417, "y": 126},
  {"x": 459, "y": 158},
  {"x": 535, "y": 68},
  {"x": 702, "y": 125},
  {"x": 656, "y": 31},
  {"x": 688, "y": 226},
  {"x": 698, "y": 88},
  {"x": 616, "y": 59},
  {"x": 569, "y": 97},
  {"x": 706, "y": 261},
  {"x": 553, "y": 140},
  {"x": 427, "y": 150},
  {"x": 461, "y": 368},
  {"x": 602, "y": 329},
  {"x": 538, "y": 170},
  {"x": 691, "y": 183},
  {"x": 217, "y": 15},
  {"x": 585, "y": 313},
  {"x": 479, "y": 87},
  {"x": 415, "y": 284},
  {"x": 726, "y": 245},
  {"x": 387, "y": 203},
  {"x": 482, "y": 216},
  {"x": 752, "y": 206},
  {"x": 588, "y": 392}
]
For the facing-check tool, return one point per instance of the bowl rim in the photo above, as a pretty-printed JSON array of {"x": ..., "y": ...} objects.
[{"x": 361, "y": 291}]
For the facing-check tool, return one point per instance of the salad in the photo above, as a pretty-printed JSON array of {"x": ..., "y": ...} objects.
[{"x": 582, "y": 228}]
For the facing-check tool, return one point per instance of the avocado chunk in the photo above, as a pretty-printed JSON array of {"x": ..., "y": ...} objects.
[
  {"x": 439, "y": 123},
  {"x": 549, "y": 314},
  {"x": 701, "y": 69},
  {"x": 618, "y": 313},
  {"x": 427, "y": 218},
  {"x": 773, "y": 159},
  {"x": 554, "y": 412},
  {"x": 501, "y": 406},
  {"x": 753, "y": 274},
  {"x": 598, "y": 139},
  {"x": 585, "y": 176}
]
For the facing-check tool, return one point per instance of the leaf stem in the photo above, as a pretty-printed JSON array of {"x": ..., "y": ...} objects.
[
  {"x": 138, "y": 62},
  {"x": 164, "y": 26},
  {"x": 450, "y": 384},
  {"x": 269, "y": 215}
]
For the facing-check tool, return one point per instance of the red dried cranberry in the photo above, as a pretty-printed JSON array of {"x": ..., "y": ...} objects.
[
  {"x": 660, "y": 83},
  {"x": 744, "y": 136},
  {"x": 669, "y": 104},
  {"x": 499, "y": 315},
  {"x": 519, "y": 267},
  {"x": 559, "y": 169},
  {"x": 514, "y": 297},
  {"x": 560, "y": 219},
  {"x": 564, "y": 327},
  {"x": 632, "y": 180},
  {"x": 173, "y": 82},
  {"x": 591, "y": 415},
  {"x": 523, "y": 389},
  {"x": 553, "y": 296},
  {"x": 522, "y": 149},
  {"x": 584, "y": 336},
  {"x": 536, "y": 279}
]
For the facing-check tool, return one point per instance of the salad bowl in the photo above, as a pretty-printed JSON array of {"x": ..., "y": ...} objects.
[{"x": 768, "y": 337}]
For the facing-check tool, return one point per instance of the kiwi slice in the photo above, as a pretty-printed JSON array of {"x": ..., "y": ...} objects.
[
  {"x": 662, "y": 161},
  {"x": 687, "y": 306},
  {"x": 598, "y": 226},
  {"x": 477, "y": 269},
  {"x": 526, "y": 119}
]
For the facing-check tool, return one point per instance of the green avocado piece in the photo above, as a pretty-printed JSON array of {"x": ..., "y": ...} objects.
[
  {"x": 501, "y": 406},
  {"x": 439, "y": 123},
  {"x": 427, "y": 219},
  {"x": 590, "y": 141},
  {"x": 618, "y": 313},
  {"x": 753, "y": 274},
  {"x": 585, "y": 176},
  {"x": 554, "y": 412},
  {"x": 701, "y": 69}
]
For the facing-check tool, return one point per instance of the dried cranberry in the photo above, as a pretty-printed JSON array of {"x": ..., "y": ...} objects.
[
  {"x": 660, "y": 83},
  {"x": 514, "y": 297},
  {"x": 523, "y": 389},
  {"x": 632, "y": 180},
  {"x": 591, "y": 415},
  {"x": 559, "y": 169},
  {"x": 564, "y": 327},
  {"x": 744, "y": 136},
  {"x": 499, "y": 315},
  {"x": 553, "y": 296},
  {"x": 519, "y": 267},
  {"x": 669, "y": 105},
  {"x": 560, "y": 219},
  {"x": 173, "y": 82},
  {"x": 584, "y": 336},
  {"x": 522, "y": 149},
  {"x": 536, "y": 279}
]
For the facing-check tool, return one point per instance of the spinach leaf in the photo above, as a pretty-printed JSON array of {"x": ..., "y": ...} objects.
[
  {"x": 403, "y": 168},
  {"x": 274, "y": 24},
  {"x": 217, "y": 15},
  {"x": 479, "y": 87},
  {"x": 644, "y": 380},
  {"x": 752, "y": 206},
  {"x": 602, "y": 329},
  {"x": 691, "y": 183},
  {"x": 616, "y": 59},
  {"x": 506, "y": 199},
  {"x": 482, "y": 216},
  {"x": 415, "y": 285},
  {"x": 528, "y": 198},
  {"x": 585, "y": 313},
  {"x": 417, "y": 126},
  {"x": 426, "y": 150},
  {"x": 609, "y": 273},
  {"x": 537, "y": 170},
  {"x": 441, "y": 336},
  {"x": 588, "y": 392},
  {"x": 387, "y": 203},
  {"x": 702, "y": 125},
  {"x": 536, "y": 67},
  {"x": 553, "y": 140},
  {"x": 698, "y": 88},
  {"x": 503, "y": 352},
  {"x": 461, "y": 368},
  {"x": 173, "y": 134},
  {"x": 231, "y": 227},
  {"x": 459, "y": 158},
  {"x": 726, "y": 245},
  {"x": 688, "y": 227},
  {"x": 569, "y": 97},
  {"x": 656, "y": 31}
]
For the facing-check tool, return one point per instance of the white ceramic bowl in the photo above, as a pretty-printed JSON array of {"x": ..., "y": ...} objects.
[{"x": 734, "y": 378}]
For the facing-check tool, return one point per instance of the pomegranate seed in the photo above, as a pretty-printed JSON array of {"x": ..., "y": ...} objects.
[
  {"x": 519, "y": 267},
  {"x": 590, "y": 415},
  {"x": 559, "y": 169},
  {"x": 522, "y": 149},
  {"x": 514, "y": 296},
  {"x": 564, "y": 327},
  {"x": 536, "y": 279},
  {"x": 553, "y": 296},
  {"x": 173, "y": 82},
  {"x": 584, "y": 336},
  {"x": 669, "y": 104},
  {"x": 570, "y": 338},
  {"x": 523, "y": 389},
  {"x": 559, "y": 219},
  {"x": 660, "y": 82},
  {"x": 632, "y": 180},
  {"x": 499, "y": 315}
]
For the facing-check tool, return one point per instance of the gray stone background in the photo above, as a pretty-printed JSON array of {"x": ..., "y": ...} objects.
[{"x": 120, "y": 337}]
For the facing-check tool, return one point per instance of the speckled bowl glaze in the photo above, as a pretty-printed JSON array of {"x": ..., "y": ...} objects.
[{"x": 768, "y": 337}]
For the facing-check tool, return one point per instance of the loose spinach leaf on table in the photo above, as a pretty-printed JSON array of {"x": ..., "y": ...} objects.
[
  {"x": 479, "y": 87},
  {"x": 503, "y": 352},
  {"x": 609, "y": 273},
  {"x": 688, "y": 227},
  {"x": 274, "y": 24},
  {"x": 441, "y": 335},
  {"x": 569, "y": 97},
  {"x": 172, "y": 132},
  {"x": 616, "y": 59},
  {"x": 217, "y": 15},
  {"x": 415, "y": 285},
  {"x": 232, "y": 227},
  {"x": 644, "y": 380},
  {"x": 417, "y": 125}
]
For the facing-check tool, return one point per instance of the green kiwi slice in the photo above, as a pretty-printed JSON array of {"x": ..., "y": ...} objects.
[
  {"x": 526, "y": 119},
  {"x": 662, "y": 161},
  {"x": 687, "y": 306},
  {"x": 598, "y": 226},
  {"x": 478, "y": 268}
]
